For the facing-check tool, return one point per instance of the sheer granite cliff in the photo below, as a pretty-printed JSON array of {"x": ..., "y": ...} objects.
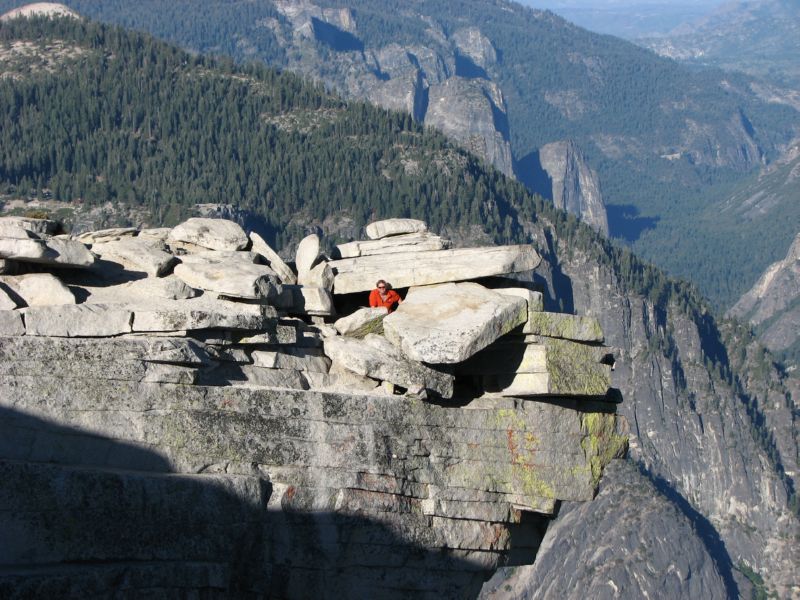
[
  {"x": 180, "y": 419},
  {"x": 697, "y": 431}
]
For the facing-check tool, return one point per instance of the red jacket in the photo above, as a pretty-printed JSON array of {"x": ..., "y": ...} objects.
[{"x": 391, "y": 301}]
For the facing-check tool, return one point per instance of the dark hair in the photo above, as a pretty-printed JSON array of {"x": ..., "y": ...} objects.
[{"x": 380, "y": 281}]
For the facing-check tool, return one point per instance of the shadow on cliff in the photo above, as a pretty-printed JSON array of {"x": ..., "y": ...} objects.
[
  {"x": 702, "y": 526},
  {"x": 83, "y": 515},
  {"x": 624, "y": 222}
]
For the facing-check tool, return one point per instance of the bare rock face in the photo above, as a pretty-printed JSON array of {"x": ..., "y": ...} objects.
[
  {"x": 38, "y": 289},
  {"x": 463, "y": 317},
  {"x": 465, "y": 110},
  {"x": 575, "y": 185},
  {"x": 278, "y": 457},
  {"x": 389, "y": 227},
  {"x": 273, "y": 259},
  {"x": 774, "y": 299},
  {"x": 472, "y": 112},
  {"x": 214, "y": 234},
  {"x": 409, "y": 269},
  {"x": 476, "y": 46}
]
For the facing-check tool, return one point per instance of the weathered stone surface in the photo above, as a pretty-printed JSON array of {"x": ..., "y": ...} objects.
[
  {"x": 285, "y": 273},
  {"x": 254, "y": 376},
  {"x": 388, "y": 227},
  {"x": 160, "y": 288},
  {"x": 362, "y": 322},
  {"x": 107, "y": 235},
  {"x": 450, "y": 322},
  {"x": 376, "y": 357},
  {"x": 304, "y": 300},
  {"x": 406, "y": 269},
  {"x": 16, "y": 232},
  {"x": 307, "y": 254},
  {"x": 78, "y": 320},
  {"x": 410, "y": 242},
  {"x": 215, "y": 234},
  {"x": 58, "y": 253},
  {"x": 135, "y": 254},
  {"x": 218, "y": 257},
  {"x": 558, "y": 325},
  {"x": 37, "y": 226},
  {"x": 299, "y": 359},
  {"x": 38, "y": 289},
  {"x": 340, "y": 379},
  {"x": 534, "y": 299},
  {"x": 233, "y": 278},
  {"x": 160, "y": 234},
  {"x": 575, "y": 185},
  {"x": 202, "y": 313},
  {"x": 11, "y": 323},
  {"x": 7, "y": 300},
  {"x": 320, "y": 276},
  {"x": 472, "y": 111}
]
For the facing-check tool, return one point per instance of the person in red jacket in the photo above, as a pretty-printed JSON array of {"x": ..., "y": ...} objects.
[{"x": 383, "y": 295}]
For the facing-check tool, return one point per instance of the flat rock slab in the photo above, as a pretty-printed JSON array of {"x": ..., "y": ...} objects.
[
  {"x": 409, "y": 242},
  {"x": 8, "y": 298},
  {"x": 260, "y": 246},
  {"x": 214, "y": 234},
  {"x": 388, "y": 227},
  {"x": 38, "y": 226},
  {"x": 299, "y": 359},
  {"x": 558, "y": 325},
  {"x": 231, "y": 278},
  {"x": 376, "y": 357},
  {"x": 58, "y": 253},
  {"x": 135, "y": 254},
  {"x": 202, "y": 313},
  {"x": 38, "y": 289},
  {"x": 217, "y": 257},
  {"x": 534, "y": 299},
  {"x": 11, "y": 323},
  {"x": 78, "y": 320},
  {"x": 407, "y": 269},
  {"x": 107, "y": 235},
  {"x": 362, "y": 322},
  {"x": 140, "y": 290},
  {"x": 450, "y": 322}
]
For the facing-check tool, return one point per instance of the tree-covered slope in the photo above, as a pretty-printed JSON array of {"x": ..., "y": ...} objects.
[
  {"x": 98, "y": 115},
  {"x": 669, "y": 142}
]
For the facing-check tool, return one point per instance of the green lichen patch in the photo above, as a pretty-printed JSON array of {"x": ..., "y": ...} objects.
[
  {"x": 602, "y": 443},
  {"x": 575, "y": 369},
  {"x": 569, "y": 327}
]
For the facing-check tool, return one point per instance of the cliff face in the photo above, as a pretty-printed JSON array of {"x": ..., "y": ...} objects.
[
  {"x": 441, "y": 81},
  {"x": 177, "y": 416},
  {"x": 692, "y": 431},
  {"x": 575, "y": 186},
  {"x": 773, "y": 303}
]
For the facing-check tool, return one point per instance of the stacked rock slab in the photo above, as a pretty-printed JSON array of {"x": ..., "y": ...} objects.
[{"x": 159, "y": 433}]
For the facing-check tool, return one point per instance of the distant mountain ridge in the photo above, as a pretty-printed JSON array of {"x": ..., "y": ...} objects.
[
  {"x": 666, "y": 142},
  {"x": 759, "y": 37}
]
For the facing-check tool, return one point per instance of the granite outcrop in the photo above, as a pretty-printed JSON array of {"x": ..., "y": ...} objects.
[{"x": 226, "y": 443}]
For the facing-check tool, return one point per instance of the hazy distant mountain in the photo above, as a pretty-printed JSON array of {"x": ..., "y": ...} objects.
[
  {"x": 627, "y": 19},
  {"x": 759, "y": 37}
]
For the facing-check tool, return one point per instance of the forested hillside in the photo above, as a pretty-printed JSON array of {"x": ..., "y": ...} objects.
[
  {"x": 98, "y": 115},
  {"x": 669, "y": 143}
]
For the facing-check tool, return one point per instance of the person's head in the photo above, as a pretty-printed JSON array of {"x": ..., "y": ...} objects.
[{"x": 381, "y": 285}]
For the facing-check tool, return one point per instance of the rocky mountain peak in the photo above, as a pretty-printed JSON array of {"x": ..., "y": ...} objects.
[
  {"x": 50, "y": 9},
  {"x": 574, "y": 186}
]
